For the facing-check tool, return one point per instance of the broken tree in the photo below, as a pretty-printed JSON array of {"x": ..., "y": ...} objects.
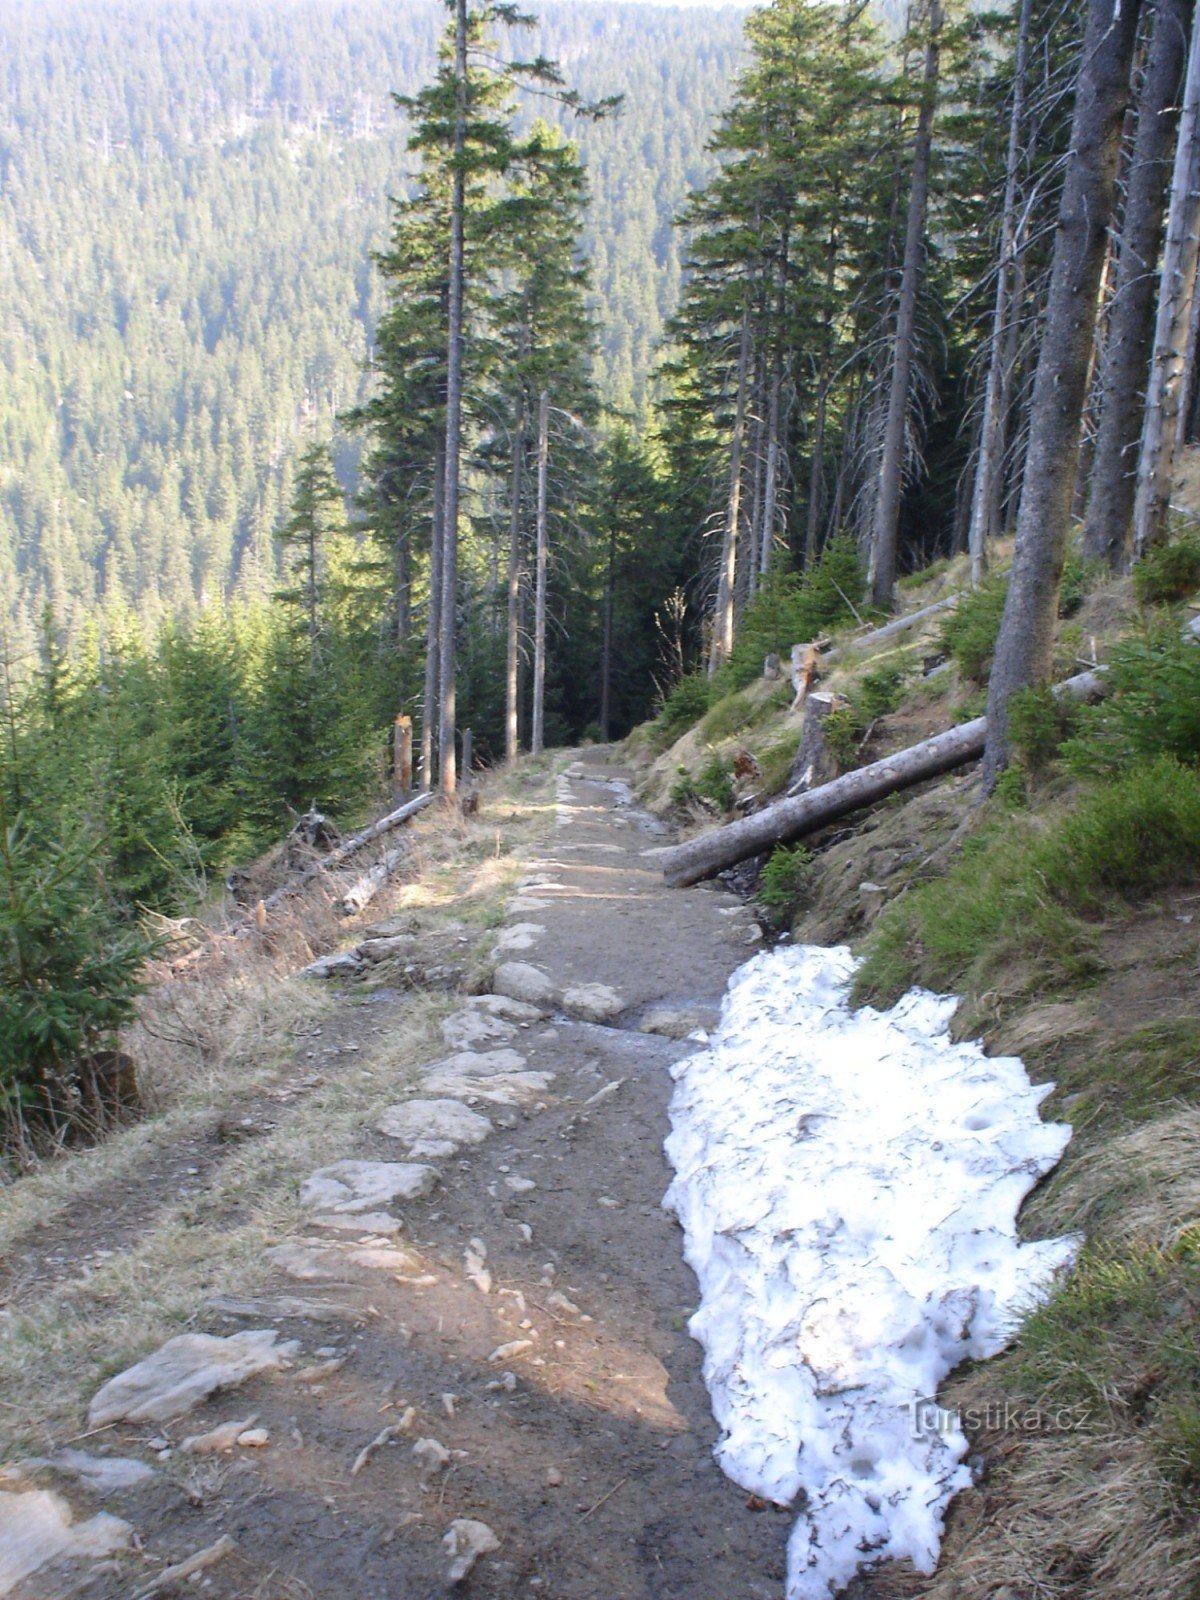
[{"x": 803, "y": 814}]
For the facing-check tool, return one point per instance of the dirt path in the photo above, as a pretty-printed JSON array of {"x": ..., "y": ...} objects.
[{"x": 585, "y": 1445}]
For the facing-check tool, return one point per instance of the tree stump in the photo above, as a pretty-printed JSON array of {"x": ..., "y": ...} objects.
[{"x": 813, "y": 765}]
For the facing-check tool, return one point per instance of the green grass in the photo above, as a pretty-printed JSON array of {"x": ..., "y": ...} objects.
[
  {"x": 1023, "y": 887},
  {"x": 741, "y": 711},
  {"x": 775, "y": 763},
  {"x": 1117, "y": 1339}
]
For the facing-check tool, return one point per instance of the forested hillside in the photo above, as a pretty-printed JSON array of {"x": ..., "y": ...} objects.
[{"x": 188, "y": 201}]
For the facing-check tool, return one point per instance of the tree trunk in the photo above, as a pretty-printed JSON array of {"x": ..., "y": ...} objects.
[
  {"x": 891, "y": 466},
  {"x": 403, "y": 583},
  {"x": 539, "y": 614},
  {"x": 991, "y": 434},
  {"x": 447, "y": 767},
  {"x": 606, "y": 643},
  {"x": 771, "y": 483},
  {"x": 512, "y": 744},
  {"x": 758, "y": 466},
  {"x": 433, "y": 624},
  {"x": 1131, "y": 324},
  {"x": 1177, "y": 288},
  {"x": 812, "y": 765},
  {"x": 722, "y": 630},
  {"x": 815, "y": 474},
  {"x": 803, "y": 814},
  {"x": 1026, "y": 640}
]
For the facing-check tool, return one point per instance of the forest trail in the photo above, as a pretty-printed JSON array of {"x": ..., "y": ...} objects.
[{"x": 585, "y": 1446}]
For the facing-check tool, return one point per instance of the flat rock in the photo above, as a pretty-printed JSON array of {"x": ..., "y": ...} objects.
[
  {"x": 333, "y": 966},
  {"x": 518, "y": 936},
  {"x": 592, "y": 1002},
  {"x": 522, "y": 904},
  {"x": 465, "y": 1029},
  {"x": 679, "y": 1024},
  {"x": 37, "y": 1526},
  {"x": 498, "y": 1088},
  {"x": 502, "y": 1005},
  {"x": 362, "y": 1186},
  {"x": 480, "y": 1062},
  {"x": 320, "y": 1262},
  {"x": 434, "y": 1128},
  {"x": 380, "y": 1223},
  {"x": 521, "y": 981},
  {"x": 185, "y": 1371}
]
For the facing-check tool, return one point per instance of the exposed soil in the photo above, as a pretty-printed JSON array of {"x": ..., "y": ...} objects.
[{"x": 592, "y": 1462}]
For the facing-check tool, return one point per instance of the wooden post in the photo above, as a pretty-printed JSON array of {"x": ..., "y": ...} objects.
[
  {"x": 468, "y": 752},
  {"x": 402, "y": 754}
]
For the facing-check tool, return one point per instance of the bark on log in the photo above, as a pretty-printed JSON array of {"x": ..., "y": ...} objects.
[
  {"x": 793, "y": 818},
  {"x": 363, "y": 890},
  {"x": 899, "y": 624}
]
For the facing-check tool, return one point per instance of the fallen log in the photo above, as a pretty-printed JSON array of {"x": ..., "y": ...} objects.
[
  {"x": 363, "y": 890},
  {"x": 801, "y": 814},
  {"x": 345, "y": 850},
  {"x": 901, "y": 624}
]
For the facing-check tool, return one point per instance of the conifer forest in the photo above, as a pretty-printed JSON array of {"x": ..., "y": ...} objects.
[{"x": 719, "y": 480}]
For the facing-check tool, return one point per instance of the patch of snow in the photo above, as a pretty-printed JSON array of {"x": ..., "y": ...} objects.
[{"x": 848, "y": 1184}]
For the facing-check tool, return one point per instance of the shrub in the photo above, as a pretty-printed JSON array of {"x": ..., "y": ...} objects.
[
  {"x": 1038, "y": 724},
  {"x": 1168, "y": 572},
  {"x": 842, "y": 730},
  {"x": 69, "y": 979},
  {"x": 969, "y": 633},
  {"x": 682, "y": 709},
  {"x": 1125, "y": 838},
  {"x": 880, "y": 690},
  {"x": 792, "y": 609},
  {"x": 713, "y": 787},
  {"x": 782, "y": 882},
  {"x": 1022, "y": 885},
  {"x": 1152, "y": 708}
]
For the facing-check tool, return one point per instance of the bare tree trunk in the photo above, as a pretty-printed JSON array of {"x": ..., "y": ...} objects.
[
  {"x": 758, "y": 465},
  {"x": 433, "y": 623},
  {"x": 991, "y": 435},
  {"x": 403, "y": 584},
  {"x": 606, "y": 642},
  {"x": 512, "y": 744},
  {"x": 539, "y": 615},
  {"x": 815, "y": 474},
  {"x": 722, "y": 632},
  {"x": 1177, "y": 288},
  {"x": 771, "y": 484},
  {"x": 891, "y": 467},
  {"x": 1025, "y": 644},
  {"x": 1185, "y": 429},
  {"x": 1012, "y": 352},
  {"x": 1131, "y": 324},
  {"x": 447, "y": 766}
]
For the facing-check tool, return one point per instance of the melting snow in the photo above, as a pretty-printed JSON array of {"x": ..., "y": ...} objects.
[{"x": 848, "y": 1184}]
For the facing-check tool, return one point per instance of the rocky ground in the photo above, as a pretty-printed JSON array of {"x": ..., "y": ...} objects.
[{"x": 467, "y": 1365}]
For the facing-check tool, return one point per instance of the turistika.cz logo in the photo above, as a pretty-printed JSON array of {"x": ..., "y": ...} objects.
[{"x": 926, "y": 1416}]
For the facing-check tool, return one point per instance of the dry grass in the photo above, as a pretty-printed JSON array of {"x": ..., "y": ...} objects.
[{"x": 229, "y": 1031}]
